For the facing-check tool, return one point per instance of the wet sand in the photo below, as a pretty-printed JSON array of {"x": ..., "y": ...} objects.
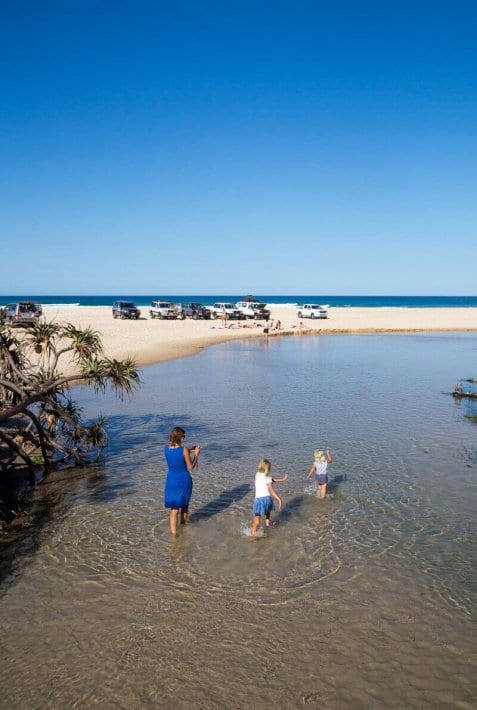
[
  {"x": 149, "y": 341},
  {"x": 361, "y": 601}
]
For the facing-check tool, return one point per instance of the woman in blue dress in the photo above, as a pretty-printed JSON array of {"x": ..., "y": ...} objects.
[{"x": 181, "y": 461}]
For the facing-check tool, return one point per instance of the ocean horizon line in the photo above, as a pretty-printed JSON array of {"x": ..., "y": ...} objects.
[
  {"x": 332, "y": 301},
  {"x": 21, "y": 294}
]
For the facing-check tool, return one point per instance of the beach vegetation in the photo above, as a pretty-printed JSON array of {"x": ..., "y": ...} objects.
[{"x": 41, "y": 426}]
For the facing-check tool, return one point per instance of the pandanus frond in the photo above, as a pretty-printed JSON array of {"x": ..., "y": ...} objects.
[
  {"x": 85, "y": 342},
  {"x": 44, "y": 374},
  {"x": 122, "y": 375},
  {"x": 94, "y": 372},
  {"x": 96, "y": 436},
  {"x": 42, "y": 337},
  {"x": 71, "y": 409},
  {"x": 10, "y": 350}
]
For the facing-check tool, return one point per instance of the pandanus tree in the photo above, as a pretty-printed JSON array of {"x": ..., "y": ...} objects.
[{"x": 40, "y": 424}]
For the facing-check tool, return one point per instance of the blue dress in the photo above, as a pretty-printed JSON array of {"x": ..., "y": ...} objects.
[{"x": 178, "y": 488}]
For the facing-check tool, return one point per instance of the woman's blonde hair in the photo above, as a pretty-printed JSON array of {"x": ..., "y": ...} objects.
[
  {"x": 319, "y": 455},
  {"x": 264, "y": 466},
  {"x": 176, "y": 436}
]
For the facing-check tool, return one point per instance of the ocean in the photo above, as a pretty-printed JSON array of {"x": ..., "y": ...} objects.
[
  {"x": 333, "y": 301},
  {"x": 363, "y": 600}
]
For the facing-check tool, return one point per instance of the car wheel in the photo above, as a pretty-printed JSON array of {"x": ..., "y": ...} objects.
[
  {"x": 159, "y": 315},
  {"x": 183, "y": 316},
  {"x": 299, "y": 314},
  {"x": 215, "y": 315},
  {"x": 194, "y": 316},
  {"x": 312, "y": 315}
]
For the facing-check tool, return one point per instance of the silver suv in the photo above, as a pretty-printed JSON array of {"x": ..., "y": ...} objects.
[
  {"x": 126, "y": 309},
  {"x": 22, "y": 312}
]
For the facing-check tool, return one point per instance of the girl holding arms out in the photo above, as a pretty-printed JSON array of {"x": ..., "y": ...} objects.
[{"x": 264, "y": 494}]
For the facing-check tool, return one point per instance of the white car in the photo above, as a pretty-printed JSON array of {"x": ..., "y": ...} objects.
[
  {"x": 231, "y": 310},
  {"x": 253, "y": 309},
  {"x": 312, "y": 310},
  {"x": 165, "y": 309}
]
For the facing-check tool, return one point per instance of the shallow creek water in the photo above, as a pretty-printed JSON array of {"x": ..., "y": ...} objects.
[{"x": 363, "y": 600}]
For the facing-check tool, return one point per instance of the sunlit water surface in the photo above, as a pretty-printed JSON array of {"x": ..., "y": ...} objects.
[{"x": 362, "y": 600}]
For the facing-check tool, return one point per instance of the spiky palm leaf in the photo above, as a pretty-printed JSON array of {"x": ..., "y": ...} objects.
[
  {"x": 94, "y": 372},
  {"x": 85, "y": 342},
  {"x": 43, "y": 336},
  {"x": 122, "y": 375},
  {"x": 96, "y": 436},
  {"x": 44, "y": 374},
  {"x": 10, "y": 350}
]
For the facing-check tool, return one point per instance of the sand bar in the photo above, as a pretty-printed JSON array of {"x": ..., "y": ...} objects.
[{"x": 149, "y": 341}]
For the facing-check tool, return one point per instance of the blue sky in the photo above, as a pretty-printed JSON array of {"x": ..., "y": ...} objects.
[{"x": 238, "y": 147}]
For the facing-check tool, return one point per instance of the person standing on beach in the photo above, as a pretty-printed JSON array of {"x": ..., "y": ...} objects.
[
  {"x": 181, "y": 461},
  {"x": 319, "y": 467},
  {"x": 224, "y": 316},
  {"x": 264, "y": 494}
]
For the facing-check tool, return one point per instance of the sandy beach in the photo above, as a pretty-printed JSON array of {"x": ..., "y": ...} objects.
[{"x": 149, "y": 341}]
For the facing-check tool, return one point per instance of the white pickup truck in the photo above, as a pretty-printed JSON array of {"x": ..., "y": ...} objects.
[
  {"x": 312, "y": 310},
  {"x": 253, "y": 309}
]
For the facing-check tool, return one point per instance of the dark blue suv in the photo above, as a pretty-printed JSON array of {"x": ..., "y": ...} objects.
[{"x": 195, "y": 311}]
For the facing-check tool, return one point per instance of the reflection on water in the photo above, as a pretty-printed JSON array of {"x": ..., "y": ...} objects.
[{"x": 361, "y": 600}]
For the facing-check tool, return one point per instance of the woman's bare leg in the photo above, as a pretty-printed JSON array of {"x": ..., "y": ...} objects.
[
  {"x": 184, "y": 515},
  {"x": 322, "y": 490},
  {"x": 173, "y": 517}
]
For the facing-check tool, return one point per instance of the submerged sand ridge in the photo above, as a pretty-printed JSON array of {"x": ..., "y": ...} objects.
[{"x": 148, "y": 341}]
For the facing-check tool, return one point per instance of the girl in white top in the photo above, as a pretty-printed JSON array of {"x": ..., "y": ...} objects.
[
  {"x": 319, "y": 467},
  {"x": 264, "y": 494}
]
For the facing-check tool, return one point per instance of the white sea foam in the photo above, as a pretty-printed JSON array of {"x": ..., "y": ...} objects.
[{"x": 246, "y": 529}]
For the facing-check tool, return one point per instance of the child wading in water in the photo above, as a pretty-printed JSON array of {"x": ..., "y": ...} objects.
[
  {"x": 319, "y": 467},
  {"x": 264, "y": 494}
]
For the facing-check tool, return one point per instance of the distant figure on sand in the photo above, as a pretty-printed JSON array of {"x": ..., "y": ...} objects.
[
  {"x": 181, "y": 461},
  {"x": 319, "y": 467},
  {"x": 264, "y": 494},
  {"x": 223, "y": 317}
]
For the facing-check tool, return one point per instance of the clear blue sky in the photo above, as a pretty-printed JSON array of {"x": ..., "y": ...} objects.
[{"x": 277, "y": 147}]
